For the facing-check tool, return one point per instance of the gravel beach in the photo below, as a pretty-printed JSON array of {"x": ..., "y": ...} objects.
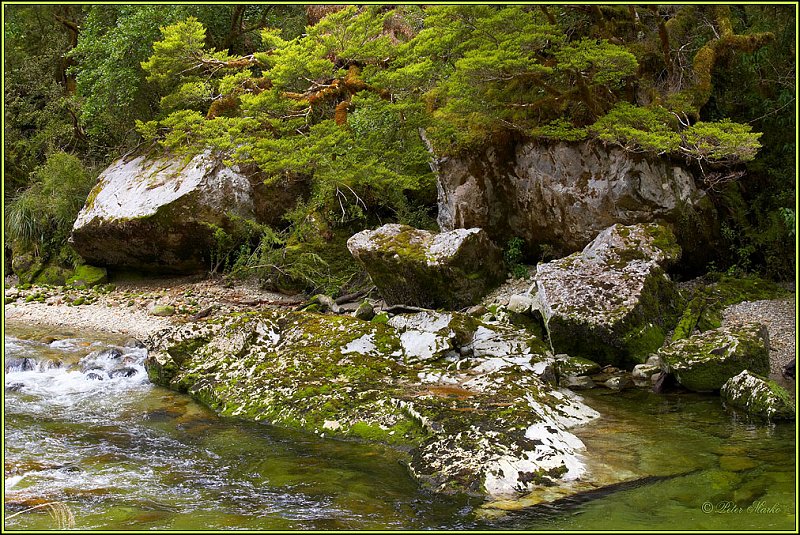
[
  {"x": 779, "y": 315},
  {"x": 127, "y": 308}
]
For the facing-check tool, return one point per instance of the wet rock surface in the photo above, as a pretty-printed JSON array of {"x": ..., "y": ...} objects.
[{"x": 470, "y": 406}]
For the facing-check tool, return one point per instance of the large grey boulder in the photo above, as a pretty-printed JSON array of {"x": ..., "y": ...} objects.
[
  {"x": 416, "y": 267},
  {"x": 759, "y": 396},
  {"x": 564, "y": 194},
  {"x": 612, "y": 302},
  {"x": 160, "y": 214},
  {"x": 469, "y": 407},
  {"x": 705, "y": 361}
]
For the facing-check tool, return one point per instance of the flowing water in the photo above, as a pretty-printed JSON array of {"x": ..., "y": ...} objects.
[{"x": 85, "y": 430}]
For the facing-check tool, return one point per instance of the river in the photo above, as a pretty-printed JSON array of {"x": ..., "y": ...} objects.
[{"x": 91, "y": 443}]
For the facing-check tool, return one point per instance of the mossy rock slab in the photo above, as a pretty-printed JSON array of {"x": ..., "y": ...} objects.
[
  {"x": 567, "y": 366},
  {"x": 612, "y": 302},
  {"x": 473, "y": 418},
  {"x": 759, "y": 396},
  {"x": 415, "y": 267},
  {"x": 705, "y": 361},
  {"x": 88, "y": 276}
]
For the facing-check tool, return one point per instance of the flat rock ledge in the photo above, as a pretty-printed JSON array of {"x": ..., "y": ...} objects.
[{"x": 467, "y": 400}]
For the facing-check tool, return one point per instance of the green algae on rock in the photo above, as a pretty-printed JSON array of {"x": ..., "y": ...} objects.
[
  {"x": 705, "y": 361},
  {"x": 612, "y": 302},
  {"x": 470, "y": 408},
  {"x": 89, "y": 276},
  {"x": 705, "y": 305},
  {"x": 759, "y": 396},
  {"x": 416, "y": 267}
]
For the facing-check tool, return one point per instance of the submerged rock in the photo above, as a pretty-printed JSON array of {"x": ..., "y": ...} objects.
[
  {"x": 468, "y": 403},
  {"x": 758, "y": 395},
  {"x": 564, "y": 194},
  {"x": 612, "y": 302},
  {"x": 705, "y": 361},
  {"x": 161, "y": 214},
  {"x": 416, "y": 267}
]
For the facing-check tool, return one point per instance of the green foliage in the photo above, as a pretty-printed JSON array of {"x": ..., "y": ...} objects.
[
  {"x": 721, "y": 141},
  {"x": 41, "y": 216},
  {"x": 299, "y": 261},
  {"x": 600, "y": 62},
  {"x": 654, "y": 130},
  {"x": 36, "y": 107},
  {"x": 232, "y": 246},
  {"x": 560, "y": 130},
  {"x": 110, "y": 84},
  {"x": 638, "y": 129},
  {"x": 513, "y": 254},
  {"x": 177, "y": 52}
]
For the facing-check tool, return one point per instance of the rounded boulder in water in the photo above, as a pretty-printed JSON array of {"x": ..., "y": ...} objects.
[{"x": 123, "y": 372}]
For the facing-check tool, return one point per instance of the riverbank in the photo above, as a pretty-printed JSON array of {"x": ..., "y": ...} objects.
[{"x": 126, "y": 309}]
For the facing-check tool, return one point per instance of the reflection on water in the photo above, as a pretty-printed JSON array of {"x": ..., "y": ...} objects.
[
  {"x": 698, "y": 466},
  {"x": 83, "y": 426}
]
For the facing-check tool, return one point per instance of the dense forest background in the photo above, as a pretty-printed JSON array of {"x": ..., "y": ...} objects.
[{"x": 347, "y": 97}]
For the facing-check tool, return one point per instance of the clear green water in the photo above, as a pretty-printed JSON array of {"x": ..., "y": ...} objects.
[{"x": 123, "y": 454}]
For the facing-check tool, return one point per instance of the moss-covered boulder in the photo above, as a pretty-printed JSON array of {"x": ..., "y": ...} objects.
[
  {"x": 89, "y": 276},
  {"x": 27, "y": 267},
  {"x": 474, "y": 417},
  {"x": 613, "y": 302},
  {"x": 705, "y": 361},
  {"x": 161, "y": 214},
  {"x": 52, "y": 275},
  {"x": 706, "y": 302},
  {"x": 759, "y": 396},
  {"x": 416, "y": 267}
]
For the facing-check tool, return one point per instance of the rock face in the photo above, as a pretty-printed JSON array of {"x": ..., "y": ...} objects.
[
  {"x": 416, "y": 267},
  {"x": 564, "y": 194},
  {"x": 468, "y": 404},
  {"x": 612, "y": 302},
  {"x": 758, "y": 395},
  {"x": 160, "y": 214},
  {"x": 705, "y": 361}
]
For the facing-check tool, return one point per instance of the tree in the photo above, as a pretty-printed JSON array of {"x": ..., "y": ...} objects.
[{"x": 40, "y": 116}]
